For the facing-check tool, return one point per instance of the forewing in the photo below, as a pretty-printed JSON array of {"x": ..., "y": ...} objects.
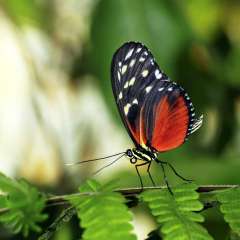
[{"x": 132, "y": 71}]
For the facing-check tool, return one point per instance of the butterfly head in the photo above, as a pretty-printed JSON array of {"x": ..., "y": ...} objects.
[
  {"x": 130, "y": 154},
  {"x": 140, "y": 154}
]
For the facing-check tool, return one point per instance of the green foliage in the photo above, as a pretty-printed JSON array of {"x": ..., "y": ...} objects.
[
  {"x": 22, "y": 206},
  {"x": 102, "y": 212},
  {"x": 177, "y": 215},
  {"x": 230, "y": 207}
]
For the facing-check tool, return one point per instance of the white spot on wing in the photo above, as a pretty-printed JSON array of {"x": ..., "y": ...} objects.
[
  {"x": 124, "y": 68},
  {"x": 120, "y": 96},
  {"x": 170, "y": 89},
  {"x": 160, "y": 89},
  {"x": 132, "y": 80},
  {"x": 138, "y": 50},
  {"x": 196, "y": 125},
  {"x": 144, "y": 73},
  {"x": 142, "y": 59},
  {"x": 186, "y": 96},
  {"x": 119, "y": 76},
  {"x": 126, "y": 84},
  {"x": 158, "y": 75},
  {"x": 135, "y": 101},
  {"x": 120, "y": 64},
  {"x": 145, "y": 53},
  {"x": 148, "y": 89},
  {"x": 132, "y": 62},
  {"x": 166, "y": 80},
  {"x": 129, "y": 54},
  {"x": 126, "y": 108}
]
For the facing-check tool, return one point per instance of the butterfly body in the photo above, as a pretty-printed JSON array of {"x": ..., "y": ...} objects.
[{"x": 139, "y": 153}]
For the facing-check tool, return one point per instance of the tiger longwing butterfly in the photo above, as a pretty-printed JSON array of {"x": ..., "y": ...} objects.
[{"x": 157, "y": 112}]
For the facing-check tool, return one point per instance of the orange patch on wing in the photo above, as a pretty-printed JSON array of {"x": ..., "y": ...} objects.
[
  {"x": 142, "y": 125},
  {"x": 171, "y": 123},
  {"x": 138, "y": 131}
]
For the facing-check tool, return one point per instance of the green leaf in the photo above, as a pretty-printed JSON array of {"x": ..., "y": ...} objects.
[
  {"x": 24, "y": 205},
  {"x": 230, "y": 207},
  {"x": 176, "y": 214},
  {"x": 102, "y": 212}
]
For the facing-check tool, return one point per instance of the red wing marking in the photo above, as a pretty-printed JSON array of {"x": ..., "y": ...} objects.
[
  {"x": 138, "y": 132},
  {"x": 142, "y": 126},
  {"x": 170, "y": 125}
]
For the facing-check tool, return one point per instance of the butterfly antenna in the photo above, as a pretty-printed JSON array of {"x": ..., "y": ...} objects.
[
  {"x": 111, "y": 163},
  {"x": 95, "y": 159}
]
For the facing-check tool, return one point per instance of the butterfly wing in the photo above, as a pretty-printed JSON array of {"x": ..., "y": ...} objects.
[{"x": 157, "y": 112}]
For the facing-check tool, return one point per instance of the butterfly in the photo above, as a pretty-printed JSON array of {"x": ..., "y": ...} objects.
[{"x": 156, "y": 112}]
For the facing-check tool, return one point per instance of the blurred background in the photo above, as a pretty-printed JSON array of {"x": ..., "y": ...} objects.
[{"x": 56, "y": 102}]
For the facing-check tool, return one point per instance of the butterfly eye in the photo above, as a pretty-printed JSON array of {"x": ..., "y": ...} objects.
[{"x": 129, "y": 153}]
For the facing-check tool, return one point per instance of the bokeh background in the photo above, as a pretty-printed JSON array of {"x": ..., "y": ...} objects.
[{"x": 56, "y": 102}]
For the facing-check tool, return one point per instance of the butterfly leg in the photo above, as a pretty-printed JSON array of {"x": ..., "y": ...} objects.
[
  {"x": 174, "y": 170},
  {"x": 165, "y": 177},
  {"x": 139, "y": 176},
  {"x": 149, "y": 174}
]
